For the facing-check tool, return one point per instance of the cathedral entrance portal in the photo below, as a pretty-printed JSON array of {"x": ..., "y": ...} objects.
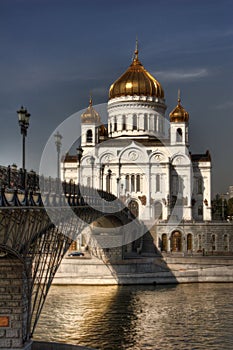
[
  {"x": 133, "y": 207},
  {"x": 176, "y": 242}
]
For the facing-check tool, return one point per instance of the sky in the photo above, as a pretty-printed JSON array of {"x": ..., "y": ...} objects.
[{"x": 53, "y": 53}]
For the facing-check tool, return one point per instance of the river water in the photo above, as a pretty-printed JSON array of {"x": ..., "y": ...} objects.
[{"x": 177, "y": 317}]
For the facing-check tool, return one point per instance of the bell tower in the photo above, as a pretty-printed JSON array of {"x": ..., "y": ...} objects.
[
  {"x": 90, "y": 122},
  {"x": 179, "y": 118}
]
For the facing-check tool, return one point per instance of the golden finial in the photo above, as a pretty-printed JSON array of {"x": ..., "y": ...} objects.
[
  {"x": 179, "y": 96},
  {"x": 136, "y": 50},
  {"x": 90, "y": 100}
]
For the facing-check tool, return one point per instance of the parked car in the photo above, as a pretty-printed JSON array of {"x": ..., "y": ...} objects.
[{"x": 76, "y": 254}]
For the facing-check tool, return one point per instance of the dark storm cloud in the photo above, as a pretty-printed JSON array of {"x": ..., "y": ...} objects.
[{"x": 54, "y": 53}]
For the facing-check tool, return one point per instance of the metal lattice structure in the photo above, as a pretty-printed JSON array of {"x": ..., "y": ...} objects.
[{"x": 28, "y": 234}]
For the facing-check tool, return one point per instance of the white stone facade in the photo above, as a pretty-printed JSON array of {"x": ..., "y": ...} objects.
[{"x": 145, "y": 160}]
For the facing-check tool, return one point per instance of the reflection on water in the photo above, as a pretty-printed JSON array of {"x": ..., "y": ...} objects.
[{"x": 191, "y": 316}]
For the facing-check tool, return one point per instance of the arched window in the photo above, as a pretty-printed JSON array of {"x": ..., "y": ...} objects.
[
  {"x": 175, "y": 185},
  {"x": 133, "y": 207},
  {"x": 159, "y": 124},
  {"x": 127, "y": 183},
  {"x": 150, "y": 126},
  {"x": 123, "y": 122},
  {"x": 200, "y": 210},
  {"x": 145, "y": 122},
  {"x": 189, "y": 242},
  {"x": 155, "y": 123},
  {"x": 199, "y": 185},
  {"x": 132, "y": 183},
  {"x": 115, "y": 124},
  {"x": 213, "y": 241},
  {"x": 162, "y": 125},
  {"x": 157, "y": 184},
  {"x": 89, "y": 136},
  {"x": 226, "y": 242},
  {"x": 134, "y": 122},
  {"x": 179, "y": 135},
  {"x": 138, "y": 183},
  {"x": 176, "y": 241}
]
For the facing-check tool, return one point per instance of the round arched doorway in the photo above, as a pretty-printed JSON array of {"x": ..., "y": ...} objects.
[
  {"x": 176, "y": 241},
  {"x": 133, "y": 207}
]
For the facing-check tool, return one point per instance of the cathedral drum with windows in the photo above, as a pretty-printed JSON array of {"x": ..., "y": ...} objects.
[{"x": 145, "y": 160}]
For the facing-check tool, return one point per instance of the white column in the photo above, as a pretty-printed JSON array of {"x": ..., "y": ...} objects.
[
  {"x": 158, "y": 123},
  {"x": 129, "y": 119},
  {"x": 207, "y": 197},
  {"x": 147, "y": 213},
  {"x": 119, "y": 123}
]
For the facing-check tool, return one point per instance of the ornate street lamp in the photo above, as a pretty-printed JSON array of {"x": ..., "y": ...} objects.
[
  {"x": 118, "y": 187},
  {"x": 102, "y": 176},
  {"x": 79, "y": 156},
  {"x": 23, "y": 117},
  {"x": 58, "y": 138},
  {"x": 109, "y": 180}
]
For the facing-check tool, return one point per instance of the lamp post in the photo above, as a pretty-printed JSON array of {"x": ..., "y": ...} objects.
[
  {"x": 102, "y": 176},
  {"x": 118, "y": 187},
  {"x": 109, "y": 180},
  {"x": 58, "y": 138},
  {"x": 23, "y": 117},
  {"x": 79, "y": 155}
]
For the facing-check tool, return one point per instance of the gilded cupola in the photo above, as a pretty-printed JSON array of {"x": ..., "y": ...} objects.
[
  {"x": 179, "y": 114},
  {"x": 90, "y": 116},
  {"x": 136, "y": 81}
]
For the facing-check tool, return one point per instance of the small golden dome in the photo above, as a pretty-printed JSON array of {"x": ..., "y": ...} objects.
[
  {"x": 179, "y": 114},
  {"x": 136, "y": 81},
  {"x": 90, "y": 116}
]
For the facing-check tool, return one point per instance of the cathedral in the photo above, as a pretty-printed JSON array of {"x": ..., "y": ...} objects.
[
  {"x": 144, "y": 158},
  {"x": 140, "y": 156}
]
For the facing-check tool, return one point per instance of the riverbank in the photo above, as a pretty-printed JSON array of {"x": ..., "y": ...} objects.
[{"x": 145, "y": 270}]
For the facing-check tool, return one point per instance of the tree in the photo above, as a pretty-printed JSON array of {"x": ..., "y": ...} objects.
[{"x": 230, "y": 207}]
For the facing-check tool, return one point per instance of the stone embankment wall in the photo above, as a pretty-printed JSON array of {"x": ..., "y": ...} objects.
[
  {"x": 207, "y": 236},
  {"x": 161, "y": 270}
]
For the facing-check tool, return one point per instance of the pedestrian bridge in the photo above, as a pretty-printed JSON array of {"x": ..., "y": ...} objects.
[{"x": 39, "y": 219}]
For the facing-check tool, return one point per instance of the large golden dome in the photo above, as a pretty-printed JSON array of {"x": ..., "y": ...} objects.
[
  {"x": 179, "y": 114},
  {"x": 90, "y": 116},
  {"x": 136, "y": 81}
]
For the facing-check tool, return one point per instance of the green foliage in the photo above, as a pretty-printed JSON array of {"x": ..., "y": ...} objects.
[
  {"x": 219, "y": 208},
  {"x": 230, "y": 207}
]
